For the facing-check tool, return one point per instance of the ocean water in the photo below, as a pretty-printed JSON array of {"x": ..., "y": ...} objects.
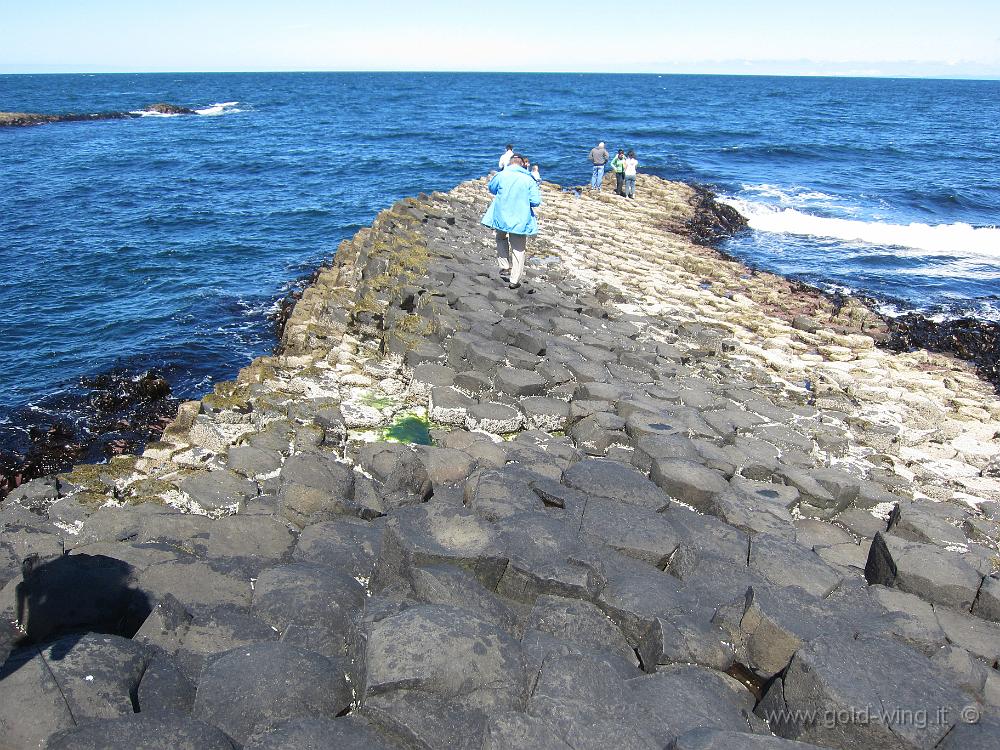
[{"x": 164, "y": 242}]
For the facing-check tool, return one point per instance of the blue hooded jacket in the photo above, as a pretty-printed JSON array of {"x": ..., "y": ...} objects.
[{"x": 516, "y": 194}]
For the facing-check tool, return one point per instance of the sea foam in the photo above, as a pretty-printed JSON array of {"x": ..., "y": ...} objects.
[
  {"x": 151, "y": 113},
  {"x": 220, "y": 108},
  {"x": 951, "y": 239},
  {"x": 213, "y": 110}
]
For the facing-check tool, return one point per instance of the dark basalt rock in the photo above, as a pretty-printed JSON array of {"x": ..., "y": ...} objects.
[
  {"x": 74, "y": 680},
  {"x": 164, "y": 108},
  {"x": 283, "y": 311},
  {"x": 303, "y": 734},
  {"x": 78, "y": 592},
  {"x": 111, "y": 413},
  {"x": 881, "y": 682},
  {"x": 713, "y": 221},
  {"x": 142, "y": 732},
  {"x": 253, "y": 688},
  {"x": 975, "y": 341},
  {"x": 22, "y": 119}
]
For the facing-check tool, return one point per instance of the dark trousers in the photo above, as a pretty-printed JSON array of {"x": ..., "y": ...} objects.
[{"x": 619, "y": 182}]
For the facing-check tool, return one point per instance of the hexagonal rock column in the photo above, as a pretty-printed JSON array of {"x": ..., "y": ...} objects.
[
  {"x": 939, "y": 576},
  {"x": 610, "y": 479},
  {"x": 310, "y": 605},
  {"x": 515, "y": 382},
  {"x": 491, "y": 417},
  {"x": 862, "y": 692},
  {"x": 544, "y": 413},
  {"x": 688, "y": 481},
  {"x": 142, "y": 732},
  {"x": 448, "y": 405},
  {"x": 253, "y": 687},
  {"x": 218, "y": 491},
  {"x": 446, "y": 651},
  {"x": 430, "y": 534},
  {"x": 315, "y": 487}
]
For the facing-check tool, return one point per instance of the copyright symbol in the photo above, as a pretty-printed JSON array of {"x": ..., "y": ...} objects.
[{"x": 970, "y": 714}]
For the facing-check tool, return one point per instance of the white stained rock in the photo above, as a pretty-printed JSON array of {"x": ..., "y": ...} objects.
[{"x": 357, "y": 415}]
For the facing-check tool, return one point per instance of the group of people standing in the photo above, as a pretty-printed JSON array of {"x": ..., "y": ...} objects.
[
  {"x": 515, "y": 186},
  {"x": 509, "y": 154},
  {"x": 624, "y": 165}
]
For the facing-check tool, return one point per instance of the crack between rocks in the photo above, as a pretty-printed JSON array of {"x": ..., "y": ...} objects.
[
  {"x": 975, "y": 599},
  {"x": 133, "y": 694},
  {"x": 58, "y": 686},
  {"x": 946, "y": 734},
  {"x": 888, "y": 725}
]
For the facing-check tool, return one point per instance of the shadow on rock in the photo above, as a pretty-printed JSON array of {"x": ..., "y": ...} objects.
[{"x": 75, "y": 595}]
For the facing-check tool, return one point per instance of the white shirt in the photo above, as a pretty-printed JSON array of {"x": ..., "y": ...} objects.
[
  {"x": 630, "y": 166},
  {"x": 505, "y": 159}
]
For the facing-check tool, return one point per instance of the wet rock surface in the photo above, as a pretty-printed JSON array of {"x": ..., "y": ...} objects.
[
  {"x": 654, "y": 510},
  {"x": 113, "y": 413}
]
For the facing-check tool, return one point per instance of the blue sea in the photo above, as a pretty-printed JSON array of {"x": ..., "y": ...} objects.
[{"x": 165, "y": 242}]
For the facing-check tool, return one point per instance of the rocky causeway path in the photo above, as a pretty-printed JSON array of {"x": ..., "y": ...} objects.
[{"x": 649, "y": 499}]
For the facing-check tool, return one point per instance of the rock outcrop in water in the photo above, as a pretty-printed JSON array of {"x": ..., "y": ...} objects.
[
  {"x": 975, "y": 341},
  {"x": 164, "y": 108},
  {"x": 115, "y": 412},
  {"x": 666, "y": 502},
  {"x": 20, "y": 119}
]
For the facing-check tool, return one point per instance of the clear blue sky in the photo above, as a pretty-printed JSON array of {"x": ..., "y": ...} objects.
[{"x": 797, "y": 37}]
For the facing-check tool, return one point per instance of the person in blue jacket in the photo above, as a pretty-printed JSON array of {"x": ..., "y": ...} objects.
[{"x": 512, "y": 216}]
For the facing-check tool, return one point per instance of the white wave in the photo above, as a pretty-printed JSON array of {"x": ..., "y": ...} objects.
[
  {"x": 948, "y": 239},
  {"x": 788, "y": 196},
  {"x": 220, "y": 108},
  {"x": 151, "y": 113},
  {"x": 982, "y": 311},
  {"x": 800, "y": 197}
]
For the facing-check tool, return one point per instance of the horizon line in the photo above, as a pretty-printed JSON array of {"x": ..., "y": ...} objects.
[{"x": 748, "y": 74}]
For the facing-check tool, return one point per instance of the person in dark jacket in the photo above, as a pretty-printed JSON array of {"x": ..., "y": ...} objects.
[{"x": 598, "y": 157}]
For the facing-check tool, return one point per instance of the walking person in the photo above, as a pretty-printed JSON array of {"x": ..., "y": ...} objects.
[
  {"x": 618, "y": 164},
  {"x": 512, "y": 217},
  {"x": 598, "y": 157},
  {"x": 505, "y": 157},
  {"x": 631, "y": 165}
]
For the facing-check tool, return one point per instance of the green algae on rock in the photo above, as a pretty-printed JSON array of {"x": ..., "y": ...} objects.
[{"x": 409, "y": 429}]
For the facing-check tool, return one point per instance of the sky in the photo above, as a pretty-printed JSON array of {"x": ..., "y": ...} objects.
[{"x": 783, "y": 37}]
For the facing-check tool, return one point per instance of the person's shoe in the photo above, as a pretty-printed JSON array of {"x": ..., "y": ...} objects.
[{"x": 514, "y": 286}]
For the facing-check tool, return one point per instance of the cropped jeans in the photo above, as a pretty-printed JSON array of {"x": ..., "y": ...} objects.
[
  {"x": 598, "y": 177},
  {"x": 630, "y": 187}
]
